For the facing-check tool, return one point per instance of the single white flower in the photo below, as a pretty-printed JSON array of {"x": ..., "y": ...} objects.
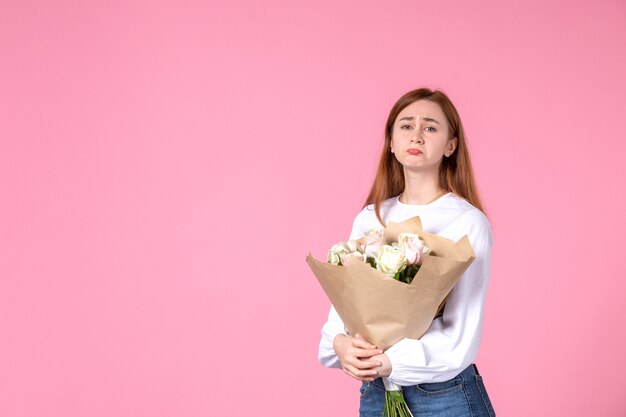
[
  {"x": 355, "y": 246},
  {"x": 390, "y": 260},
  {"x": 335, "y": 253}
]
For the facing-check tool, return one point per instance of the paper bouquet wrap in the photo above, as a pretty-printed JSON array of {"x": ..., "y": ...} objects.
[{"x": 384, "y": 310}]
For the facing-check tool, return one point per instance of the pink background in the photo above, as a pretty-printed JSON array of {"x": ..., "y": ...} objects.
[{"x": 166, "y": 166}]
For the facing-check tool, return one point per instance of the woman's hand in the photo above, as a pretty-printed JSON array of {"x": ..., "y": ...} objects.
[
  {"x": 355, "y": 355},
  {"x": 385, "y": 368}
]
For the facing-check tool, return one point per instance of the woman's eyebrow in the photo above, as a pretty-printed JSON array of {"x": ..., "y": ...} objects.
[{"x": 428, "y": 119}]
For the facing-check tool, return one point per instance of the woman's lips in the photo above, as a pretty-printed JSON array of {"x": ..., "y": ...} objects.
[{"x": 414, "y": 151}]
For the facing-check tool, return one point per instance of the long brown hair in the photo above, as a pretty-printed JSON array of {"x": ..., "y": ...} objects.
[{"x": 455, "y": 172}]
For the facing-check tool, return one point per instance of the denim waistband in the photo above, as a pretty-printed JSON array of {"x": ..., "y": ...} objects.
[{"x": 466, "y": 374}]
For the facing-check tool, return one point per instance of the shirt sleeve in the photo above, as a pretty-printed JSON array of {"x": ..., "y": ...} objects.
[
  {"x": 451, "y": 343},
  {"x": 334, "y": 325}
]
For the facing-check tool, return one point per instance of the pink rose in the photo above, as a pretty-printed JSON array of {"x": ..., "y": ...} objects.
[
  {"x": 373, "y": 241},
  {"x": 354, "y": 255},
  {"x": 412, "y": 247}
]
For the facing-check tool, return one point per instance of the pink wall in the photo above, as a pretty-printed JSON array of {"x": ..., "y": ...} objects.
[{"x": 166, "y": 166}]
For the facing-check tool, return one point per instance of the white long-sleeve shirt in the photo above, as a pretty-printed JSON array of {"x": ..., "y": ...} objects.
[{"x": 451, "y": 343}]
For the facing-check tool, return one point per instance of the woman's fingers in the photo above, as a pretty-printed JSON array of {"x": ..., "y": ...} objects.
[
  {"x": 363, "y": 353},
  {"x": 364, "y": 345},
  {"x": 350, "y": 351},
  {"x": 363, "y": 365},
  {"x": 362, "y": 342},
  {"x": 361, "y": 370},
  {"x": 365, "y": 378},
  {"x": 360, "y": 373},
  {"x": 370, "y": 364}
]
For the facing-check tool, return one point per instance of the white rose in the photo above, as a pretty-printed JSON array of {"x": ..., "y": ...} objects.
[
  {"x": 390, "y": 260},
  {"x": 335, "y": 253},
  {"x": 355, "y": 246}
]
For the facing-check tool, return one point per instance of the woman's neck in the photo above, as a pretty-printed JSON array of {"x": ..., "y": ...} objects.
[{"x": 421, "y": 188}]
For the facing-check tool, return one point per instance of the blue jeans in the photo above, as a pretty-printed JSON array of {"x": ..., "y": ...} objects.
[{"x": 462, "y": 396}]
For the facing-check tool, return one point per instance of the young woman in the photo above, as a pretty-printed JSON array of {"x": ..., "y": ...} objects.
[{"x": 425, "y": 171}]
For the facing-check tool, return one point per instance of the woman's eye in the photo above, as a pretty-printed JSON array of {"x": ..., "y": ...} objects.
[{"x": 407, "y": 127}]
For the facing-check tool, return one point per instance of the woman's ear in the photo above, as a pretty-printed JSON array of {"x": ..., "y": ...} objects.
[{"x": 451, "y": 146}]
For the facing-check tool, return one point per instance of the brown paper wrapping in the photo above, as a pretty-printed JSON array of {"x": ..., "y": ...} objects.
[{"x": 384, "y": 310}]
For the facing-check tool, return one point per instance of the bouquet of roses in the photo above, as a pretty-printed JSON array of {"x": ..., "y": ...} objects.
[
  {"x": 390, "y": 284},
  {"x": 400, "y": 260}
]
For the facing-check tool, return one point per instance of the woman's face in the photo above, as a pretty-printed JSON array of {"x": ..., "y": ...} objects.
[{"x": 420, "y": 136}]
